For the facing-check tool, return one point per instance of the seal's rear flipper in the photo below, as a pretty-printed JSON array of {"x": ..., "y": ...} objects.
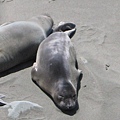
[{"x": 68, "y": 28}]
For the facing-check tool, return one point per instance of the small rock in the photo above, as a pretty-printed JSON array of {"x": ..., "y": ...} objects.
[
  {"x": 85, "y": 86},
  {"x": 107, "y": 66}
]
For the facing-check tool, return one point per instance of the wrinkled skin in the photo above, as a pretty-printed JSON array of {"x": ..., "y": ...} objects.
[{"x": 56, "y": 70}]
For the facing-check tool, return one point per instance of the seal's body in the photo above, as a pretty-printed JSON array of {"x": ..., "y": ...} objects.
[
  {"x": 19, "y": 41},
  {"x": 55, "y": 70}
]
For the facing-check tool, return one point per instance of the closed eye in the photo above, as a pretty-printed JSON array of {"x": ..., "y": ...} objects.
[{"x": 60, "y": 97}]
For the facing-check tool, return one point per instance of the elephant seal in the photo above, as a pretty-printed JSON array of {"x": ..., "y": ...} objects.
[
  {"x": 19, "y": 40},
  {"x": 56, "y": 70}
]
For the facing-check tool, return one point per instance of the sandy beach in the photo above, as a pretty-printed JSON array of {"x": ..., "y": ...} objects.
[{"x": 97, "y": 45}]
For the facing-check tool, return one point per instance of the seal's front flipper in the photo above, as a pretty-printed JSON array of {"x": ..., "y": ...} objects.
[
  {"x": 68, "y": 28},
  {"x": 34, "y": 72}
]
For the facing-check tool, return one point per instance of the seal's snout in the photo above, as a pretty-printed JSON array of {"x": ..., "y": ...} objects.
[
  {"x": 65, "y": 103},
  {"x": 70, "y": 106}
]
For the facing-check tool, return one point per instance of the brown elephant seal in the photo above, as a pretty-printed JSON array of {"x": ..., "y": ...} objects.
[
  {"x": 56, "y": 70},
  {"x": 19, "y": 40}
]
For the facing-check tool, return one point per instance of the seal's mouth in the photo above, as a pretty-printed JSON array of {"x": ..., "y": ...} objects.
[
  {"x": 68, "y": 106},
  {"x": 69, "y": 111},
  {"x": 64, "y": 103}
]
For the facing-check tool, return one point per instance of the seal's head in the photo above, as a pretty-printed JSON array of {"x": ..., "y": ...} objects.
[{"x": 65, "y": 96}]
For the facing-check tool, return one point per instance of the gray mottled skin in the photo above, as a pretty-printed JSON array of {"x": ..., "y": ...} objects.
[
  {"x": 19, "y": 41},
  {"x": 55, "y": 69}
]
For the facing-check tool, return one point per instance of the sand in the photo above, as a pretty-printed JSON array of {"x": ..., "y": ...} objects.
[{"x": 98, "y": 50}]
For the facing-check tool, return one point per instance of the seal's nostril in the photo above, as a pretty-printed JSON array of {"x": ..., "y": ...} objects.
[{"x": 69, "y": 106}]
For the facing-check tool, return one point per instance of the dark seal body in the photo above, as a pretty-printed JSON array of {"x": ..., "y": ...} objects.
[
  {"x": 56, "y": 70},
  {"x": 19, "y": 41}
]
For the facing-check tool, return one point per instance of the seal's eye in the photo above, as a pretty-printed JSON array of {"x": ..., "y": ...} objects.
[{"x": 60, "y": 97}]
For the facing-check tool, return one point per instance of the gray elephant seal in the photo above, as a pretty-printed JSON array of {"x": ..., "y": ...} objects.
[
  {"x": 19, "y": 41},
  {"x": 56, "y": 71}
]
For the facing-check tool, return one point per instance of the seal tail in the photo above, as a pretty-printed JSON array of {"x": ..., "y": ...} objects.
[
  {"x": 71, "y": 33},
  {"x": 68, "y": 28}
]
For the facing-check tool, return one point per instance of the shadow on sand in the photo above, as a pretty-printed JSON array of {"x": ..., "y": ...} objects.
[{"x": 17, "y": 68}]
